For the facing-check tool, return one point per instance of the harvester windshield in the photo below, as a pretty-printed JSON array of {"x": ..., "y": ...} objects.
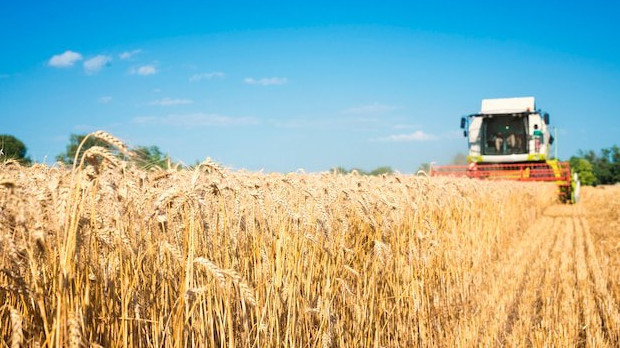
[{"x": 504, "y": 134}]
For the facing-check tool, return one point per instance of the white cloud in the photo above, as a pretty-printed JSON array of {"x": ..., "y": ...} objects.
[
  {"x": 371, "y": 109},
  {"x": 144, "y": 70},
  {"x": 266, "y": 81},
  {"x": 319, "y": 122},
  {"x": 95, "y": 64},
  {"x": 418, "y": 136},
  {"x": 207, "y": 76},
  {"x": 196, "y": 120},
  {"x": 406, "y": 126},
  {"x": 64, "y": 60},
  {"x": 129, "y": 54},
  {"x": 105, "y": 99},
  {"x": 170, "y": 101}
]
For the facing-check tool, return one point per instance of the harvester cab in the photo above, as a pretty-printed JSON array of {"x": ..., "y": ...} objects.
[
  {"x": 510, "y": 139},
  {"x": 507, "y": 130}
]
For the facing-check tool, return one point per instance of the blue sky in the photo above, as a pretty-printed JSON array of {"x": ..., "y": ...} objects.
[{"x": 281, "y": 86}]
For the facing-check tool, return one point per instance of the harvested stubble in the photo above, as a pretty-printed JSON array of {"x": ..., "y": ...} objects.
[
  {"x": 119, "y": 256},
  {"x": 602, "y": 209}
]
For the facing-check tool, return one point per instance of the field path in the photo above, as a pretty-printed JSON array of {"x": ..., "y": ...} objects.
[{"x": 546, "y": 288}]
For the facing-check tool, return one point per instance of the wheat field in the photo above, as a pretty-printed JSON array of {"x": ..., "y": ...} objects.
[{"x": 107, "y": 254}]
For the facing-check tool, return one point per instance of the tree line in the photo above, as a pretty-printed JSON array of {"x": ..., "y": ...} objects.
[
  {"x": 377, "y": 171},
  {"x": 146, "y": 156},
  {"x": 597, "y": 169},
  {"x": 593, "y": 168}
]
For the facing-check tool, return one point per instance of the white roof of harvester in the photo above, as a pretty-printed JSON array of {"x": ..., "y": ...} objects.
[{"x": 507, "y": 105}]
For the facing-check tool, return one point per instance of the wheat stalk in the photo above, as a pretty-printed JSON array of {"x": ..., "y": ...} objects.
[{"x": 17, "y": 334}]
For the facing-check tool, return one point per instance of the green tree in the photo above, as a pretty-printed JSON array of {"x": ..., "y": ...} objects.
[
  {"x": 381, "y": 170},
  {"x": 74, "y": 142},
  {"x": 376, "y": 171},
  {"x": 150, "y": 156},
  {"x": 584, "y": 169},
  {"x": 146, "y": 156},
  {"x": 425, "y": 167},
  {"x": 615, "y": 154},
  {"x": 614, "y": 163},
  {"x": 13, "y": 148},
  {"x": 606, "y": 166}
]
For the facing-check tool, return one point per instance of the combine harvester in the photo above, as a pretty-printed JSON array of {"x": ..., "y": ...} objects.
[{"x": 510, "y": 140}]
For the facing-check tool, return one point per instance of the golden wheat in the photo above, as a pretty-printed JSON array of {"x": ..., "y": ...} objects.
[{"x": 219, "y": 258}]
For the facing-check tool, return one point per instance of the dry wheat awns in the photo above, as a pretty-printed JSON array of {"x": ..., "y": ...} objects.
[
  {"x": 106, "y": 137},
  {"x": 116, "y": 256},
  {"x": 112, "y": 140}
]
